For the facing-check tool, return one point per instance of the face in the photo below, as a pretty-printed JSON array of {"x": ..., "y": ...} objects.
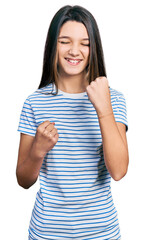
[{"x": 73, "y": 49}]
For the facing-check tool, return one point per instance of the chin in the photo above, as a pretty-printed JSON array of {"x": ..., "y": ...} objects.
[{"x": 73, "y": 72}]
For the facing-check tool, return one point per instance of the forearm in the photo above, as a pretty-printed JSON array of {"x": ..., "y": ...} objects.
[
  {"x": 114, "y": 148},
  {"x": 27, "y": 173}
]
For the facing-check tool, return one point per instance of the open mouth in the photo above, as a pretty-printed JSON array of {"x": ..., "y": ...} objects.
[{"x": 73, "y": 61}]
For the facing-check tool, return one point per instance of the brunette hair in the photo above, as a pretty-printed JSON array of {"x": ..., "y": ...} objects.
[{"x": 96, "y": 66}]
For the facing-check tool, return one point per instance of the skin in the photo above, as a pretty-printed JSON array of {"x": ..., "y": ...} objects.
[
  {"x": 32, "y": 151},
  {"x": 73, "y": 44},
  {"x": 115, "y": 148}
]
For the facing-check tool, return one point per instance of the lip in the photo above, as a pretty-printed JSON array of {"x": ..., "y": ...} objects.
[{"x": 73, "y": 61}]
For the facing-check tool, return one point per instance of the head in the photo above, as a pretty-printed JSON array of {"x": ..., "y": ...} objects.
[
  {"x": 95, "y": 66},
  {"x": 73, "y": 51}
]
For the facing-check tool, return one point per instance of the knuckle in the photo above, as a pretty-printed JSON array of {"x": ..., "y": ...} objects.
[
  {"x": 54, "y": 140},
  {"x": 100, "y": 79},
  {"x": 39, "y": 129},
  {"x": 93, "y": 82},
  {"x": 87, "y": 88},
  {"x": 105, "y": 79},
  {"x": 45, "y": 133},
  {"x": 47, "y": 121},
  {"x": 50, "y": 135}
]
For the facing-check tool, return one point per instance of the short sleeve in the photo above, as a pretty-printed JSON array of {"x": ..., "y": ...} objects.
[
  {"x": 27, "y": 123},
  {"x": 120, "y": 110}
]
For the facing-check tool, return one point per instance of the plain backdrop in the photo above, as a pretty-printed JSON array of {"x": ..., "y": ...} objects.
[{"x": 23, "y": 28}]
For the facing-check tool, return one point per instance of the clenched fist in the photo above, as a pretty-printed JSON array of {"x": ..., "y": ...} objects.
[
  {"x": 45, "y": 139},
  {"x": 99, "y": 94}
]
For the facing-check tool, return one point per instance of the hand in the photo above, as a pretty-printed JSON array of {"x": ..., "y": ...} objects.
[
  {"x": 45, "y": 139},
  {"x": 99, "y": 94}
]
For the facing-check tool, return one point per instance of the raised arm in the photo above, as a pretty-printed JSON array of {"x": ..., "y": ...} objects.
[
  {"x": 114, "y": 146},
  {"x": 113, "y": 133},
  {"x": 32, "y": 151}
]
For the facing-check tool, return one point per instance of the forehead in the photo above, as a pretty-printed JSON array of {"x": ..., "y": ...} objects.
[{"x": 73, "y": 29}]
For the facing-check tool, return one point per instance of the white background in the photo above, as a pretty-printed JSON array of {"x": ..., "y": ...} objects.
[{"x": 23, "y": 28}]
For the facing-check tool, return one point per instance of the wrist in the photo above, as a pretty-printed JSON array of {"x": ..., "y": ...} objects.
[
  {"x": 100, "y": 116},
  {"x": 36, "y": 154},
  {"x": 103, "y": 110}
]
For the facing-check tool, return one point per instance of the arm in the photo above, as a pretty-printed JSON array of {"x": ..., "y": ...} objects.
[
  {"x": 32, "y": 151},
  {"x": 113, "y": 134},
  {"x": 28, "y": 164},
  {"x": 114, "y": 146}
]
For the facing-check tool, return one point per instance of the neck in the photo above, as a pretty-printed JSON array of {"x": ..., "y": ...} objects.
[{"x": 72, "y": 84}]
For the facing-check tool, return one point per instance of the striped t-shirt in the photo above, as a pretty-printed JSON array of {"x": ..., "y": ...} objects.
[{"x": 74, "y": 200}]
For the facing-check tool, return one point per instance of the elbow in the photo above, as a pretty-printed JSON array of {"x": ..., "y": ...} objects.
[
  {"x": 21, "y": 182},
  {"x": 122, "y": 171},
  {"x": 118, "y": 176},
  {"x": 24, "y": 185}
]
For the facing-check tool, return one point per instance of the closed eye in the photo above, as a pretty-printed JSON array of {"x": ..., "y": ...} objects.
[
  {"x": 64, "y": 42},
  {"x": 86, "y": 44}
]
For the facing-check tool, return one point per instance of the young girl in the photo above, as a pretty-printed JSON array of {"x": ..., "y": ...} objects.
[{"x": 73, "y": 135}]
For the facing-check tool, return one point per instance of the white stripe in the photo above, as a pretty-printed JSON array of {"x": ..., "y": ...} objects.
[{"x": 74, "y": 200}]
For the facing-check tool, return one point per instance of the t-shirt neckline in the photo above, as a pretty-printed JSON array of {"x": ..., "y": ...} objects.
[{"x": 71, "y": 95}]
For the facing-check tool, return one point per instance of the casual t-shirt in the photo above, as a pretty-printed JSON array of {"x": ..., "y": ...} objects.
[{"x": 74, "y": 200}]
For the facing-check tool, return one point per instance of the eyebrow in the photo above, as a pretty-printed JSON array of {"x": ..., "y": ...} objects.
[{"x": 84, "y": 39}]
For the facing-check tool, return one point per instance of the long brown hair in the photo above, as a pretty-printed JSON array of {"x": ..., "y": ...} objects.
[{"x": 96, "y": 66}]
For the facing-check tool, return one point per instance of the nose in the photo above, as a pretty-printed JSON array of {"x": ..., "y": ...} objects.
[{"x": 74, "y": 50}]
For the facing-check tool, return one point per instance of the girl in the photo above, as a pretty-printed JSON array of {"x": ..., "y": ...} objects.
[{"x": 73, "y": 135}]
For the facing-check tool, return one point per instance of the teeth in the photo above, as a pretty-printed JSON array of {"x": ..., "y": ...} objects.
[{"x": 73, "y": 61}]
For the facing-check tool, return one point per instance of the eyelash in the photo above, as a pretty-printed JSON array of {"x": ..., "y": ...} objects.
[{"x": 69, "y": 42}]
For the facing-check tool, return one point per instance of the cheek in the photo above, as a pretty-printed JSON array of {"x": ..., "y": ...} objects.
[
  {"x": 86, "y": 53},
  {"x": 63, "y": 50}
]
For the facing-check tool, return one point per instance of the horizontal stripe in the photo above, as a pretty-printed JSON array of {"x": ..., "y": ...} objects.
[{"x": 74, "y": 200}]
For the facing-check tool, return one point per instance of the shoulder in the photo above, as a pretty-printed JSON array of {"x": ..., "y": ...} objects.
[
  {"x": 41, "y": 93},
  {"x": 115, "y": 93},
  {"x": 118, "y": 101},
  {"x": 116, "y": 96}
]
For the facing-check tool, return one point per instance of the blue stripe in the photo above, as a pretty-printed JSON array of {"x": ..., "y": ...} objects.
[{"x": 68, "y": 190}]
